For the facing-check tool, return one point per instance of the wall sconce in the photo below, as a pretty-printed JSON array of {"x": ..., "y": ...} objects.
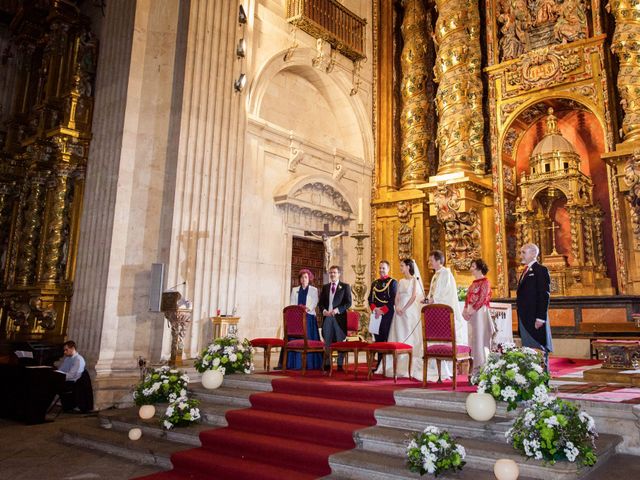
[
  {"x": 241, "y": 48},
  {"x": 242, "y": 16},
  {"x": 240, "y": 83}
]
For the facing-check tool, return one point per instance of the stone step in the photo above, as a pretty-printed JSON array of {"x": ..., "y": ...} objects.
[
  {"x": 482, "y": 454},
  {"x": 458, "y": 424},
  {"x": 448, "y": 401},
  {"x": 235, "y": 397},
  {"x": 255, "y": 381},
  {"x": 360, "y": 464},
  {"x": 148, "y": 450}
]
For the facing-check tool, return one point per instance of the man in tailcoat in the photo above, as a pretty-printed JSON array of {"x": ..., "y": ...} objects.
[
  {"x": 533, "y": 295},
  {"x": 335, "y": 300}
]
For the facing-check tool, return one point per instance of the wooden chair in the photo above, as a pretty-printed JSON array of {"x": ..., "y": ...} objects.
[
  {"x": 349, "y": 346},
  {"x": 438, "y": 325},
  {"x": 267, "y": 344},
  {"x": 389, "y": 348},
  {"x": 295, "y": 326}
]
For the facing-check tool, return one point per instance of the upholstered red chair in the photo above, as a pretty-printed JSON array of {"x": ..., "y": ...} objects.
[
  {"x": 267, "y": 344},
  {"x": 349, "y": 346},
  {"x": 389, "y": 348},
  {"x": 295, "y": 326},
  {"x": 438, "y": 325}
]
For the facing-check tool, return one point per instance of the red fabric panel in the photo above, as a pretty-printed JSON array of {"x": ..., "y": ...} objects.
[
  {"x": 389, "y": 346},
  {"x": 266, "y": 342},
  {"x": 446, "y": 349},
  {"x": 356, "y": 344},
  {"x": 310, "y": 343},
  {"x": 438, "y": 323}
]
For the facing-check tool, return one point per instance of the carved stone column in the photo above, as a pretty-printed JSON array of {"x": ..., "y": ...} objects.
[
  {"x": 415, "y": 103},
  {"x": 55, "y": 225},
  {"x": 459, "y": 96},
  {"x": 30, "y": 234},
  {"x": 626, "y": 46}
]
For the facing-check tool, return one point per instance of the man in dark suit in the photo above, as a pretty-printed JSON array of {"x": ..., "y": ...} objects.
[
  {"x": 381, "y": 302},
  {"x": 534, "y": 292},
  {"x": 335, "y": 300}
]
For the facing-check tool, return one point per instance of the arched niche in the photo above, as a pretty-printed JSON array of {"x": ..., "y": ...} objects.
[{"x": 583, "y": 125}]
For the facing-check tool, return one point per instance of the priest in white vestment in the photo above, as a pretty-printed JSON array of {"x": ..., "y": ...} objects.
[{"x": 443, "y": 290}]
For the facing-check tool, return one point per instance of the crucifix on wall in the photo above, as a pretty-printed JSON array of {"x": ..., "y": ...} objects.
[{"x": 327, "y": 236}]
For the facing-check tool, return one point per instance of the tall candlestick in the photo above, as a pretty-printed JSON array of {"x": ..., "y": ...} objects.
[{"x": 360, "y": 210}]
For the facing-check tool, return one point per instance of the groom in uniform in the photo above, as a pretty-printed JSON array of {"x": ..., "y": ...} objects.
[
  {"x": 335, "y": 300},
  {"x": 381, "y": 302},
  {"x": 533, "y": 302}
]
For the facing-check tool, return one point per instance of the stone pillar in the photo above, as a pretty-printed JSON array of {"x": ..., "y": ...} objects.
[
  {"x": 459, "y": 96},
  {"x": 415, "y": 103},
  {"x": 206, "y": 221}
]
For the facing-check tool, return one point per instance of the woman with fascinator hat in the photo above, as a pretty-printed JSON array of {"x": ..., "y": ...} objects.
[
  {"x": 306, "y": 295},
  {"x": 406, "y": 324}
]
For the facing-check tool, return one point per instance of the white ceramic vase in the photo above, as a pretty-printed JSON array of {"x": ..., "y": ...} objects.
[
  {"x": 212, "y": 379},
  {"x": 481, "y": 406},
  {"x": 147, "y": 411}
]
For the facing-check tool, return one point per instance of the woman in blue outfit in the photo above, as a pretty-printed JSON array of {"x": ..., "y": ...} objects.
[{"x": 306, "y": 295}]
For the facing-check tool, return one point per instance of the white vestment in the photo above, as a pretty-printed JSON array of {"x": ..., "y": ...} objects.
[{"x": 443, "y": 290}]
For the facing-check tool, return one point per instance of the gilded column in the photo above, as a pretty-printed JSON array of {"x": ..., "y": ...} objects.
[
  {"x": 55, "y": 226},
  {"x": 30, "y": 234},
  {"x": 413, "y": 120},
  {"x": 459, "y": 96},
  {"x": 626, "y": 46},
  {"x": 588, "y": 241}
]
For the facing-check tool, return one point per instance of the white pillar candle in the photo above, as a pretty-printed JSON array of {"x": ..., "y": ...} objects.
[{"x": 360, "y": 210}]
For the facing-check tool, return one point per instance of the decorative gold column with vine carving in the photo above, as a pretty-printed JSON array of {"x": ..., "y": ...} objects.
[
  {"x": 55, "y": 225},
  {"x": 32, "y": 223},
  {"x": 626, "y": 46},
  {"x": 413, "y": 120},
  {"x": 459, "y": 97}
]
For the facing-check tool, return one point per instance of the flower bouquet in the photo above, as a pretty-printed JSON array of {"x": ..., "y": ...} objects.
[
  {"x": 227, "y": 354},
  {"x": 181, "y": 412},
  {"x": 512, "y": 375},
  {"x": 160, "y": 385},
  {"x": 434, "y": 452},
  {"x": 462, "y": 293},
  {"x": 551, "y": 429}
]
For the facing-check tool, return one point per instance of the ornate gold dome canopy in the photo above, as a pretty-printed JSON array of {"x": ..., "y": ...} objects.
[{"x": 553, "y": 141}]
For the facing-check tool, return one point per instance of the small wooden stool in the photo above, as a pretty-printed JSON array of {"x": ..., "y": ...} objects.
[
  {"x": 389, "y": 348},
  {"x": 267, "y": 344}
]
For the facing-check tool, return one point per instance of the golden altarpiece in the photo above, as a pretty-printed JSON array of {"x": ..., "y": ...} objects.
[
  {"x": 49, "y": 58},
  {"x": 463, "y": 91}
]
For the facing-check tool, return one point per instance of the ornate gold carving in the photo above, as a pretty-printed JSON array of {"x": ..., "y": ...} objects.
[
  {"x": 632, "y": 179},
  {"x": 459, "y": 96},
  {"x": 405, "y": 232},
  {"x": 31, "y": 231},
  {"x": 529, "y": 25},
  {"x": 414, "y": 118},
  {"x": 544, "y": 67},
  {"x": 626, "y": 46},
  {"x": 461, "y": 229}
]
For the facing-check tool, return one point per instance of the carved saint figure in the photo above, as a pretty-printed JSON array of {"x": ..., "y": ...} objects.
[
  {"x": 328, "y": 247},
  {"x": 572, "y": 22},
  {"x": 546, "y": 12},
  {"x": 516, "y": 21}
]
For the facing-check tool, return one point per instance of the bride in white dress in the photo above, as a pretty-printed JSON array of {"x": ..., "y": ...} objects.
[{"x": 406, "y": 326}]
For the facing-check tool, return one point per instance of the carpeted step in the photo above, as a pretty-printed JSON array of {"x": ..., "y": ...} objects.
[
  {"x": 339, "y": 390},
  {"x": 356, "y": 412},
  {"x": 447, "y": 401},
  {"x": 210, "y": 465},
  {"x": 282, "y": 452},
  {"x": 332, "y": 433}
]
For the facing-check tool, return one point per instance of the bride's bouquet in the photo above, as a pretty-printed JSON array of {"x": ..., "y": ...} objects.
[{"x": 512, "y": 375}]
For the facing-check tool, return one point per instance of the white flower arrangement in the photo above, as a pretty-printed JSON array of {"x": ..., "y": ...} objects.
[
  {"x": 182, "y": 411},
  {"x": 434, "y": 452},
  {"x": 160, "y": 385},
  {"x": 512, "y": 375},
  {"x": 551, "y": 429},
  {"x": 226, "y": 354}
]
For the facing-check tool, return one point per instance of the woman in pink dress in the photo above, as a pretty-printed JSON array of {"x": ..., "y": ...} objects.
[{"x": 476, "y": 311}]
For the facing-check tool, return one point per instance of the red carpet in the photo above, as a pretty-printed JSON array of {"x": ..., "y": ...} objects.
[
  {"x": 287, "y": 433},
  {"x": 561, "y": 366}
]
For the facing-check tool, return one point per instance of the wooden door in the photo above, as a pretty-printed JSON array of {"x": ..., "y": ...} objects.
[{"x": 307, "y": 254}]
